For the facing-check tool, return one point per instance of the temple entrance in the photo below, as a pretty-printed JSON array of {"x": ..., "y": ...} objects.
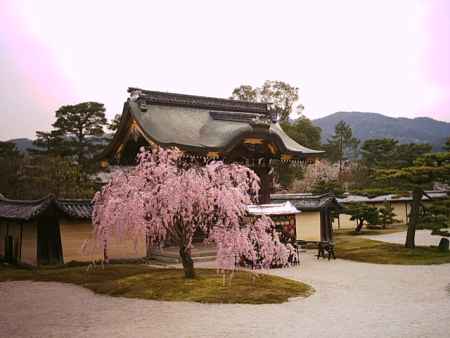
[{"x": 49, "y": 248}]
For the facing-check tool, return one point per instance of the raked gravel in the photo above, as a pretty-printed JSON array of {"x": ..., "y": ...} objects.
[
  {"x": 351, "y": 300},
  {"x": 423, "y": 238}
]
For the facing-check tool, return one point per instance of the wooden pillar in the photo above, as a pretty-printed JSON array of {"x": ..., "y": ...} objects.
[{"x": 266, "y": 177}]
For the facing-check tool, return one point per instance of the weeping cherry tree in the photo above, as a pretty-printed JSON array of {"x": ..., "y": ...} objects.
[{"x": 166, "y": 198}]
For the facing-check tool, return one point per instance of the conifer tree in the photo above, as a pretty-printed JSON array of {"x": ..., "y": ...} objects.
[{"x": 429, "y": 168}]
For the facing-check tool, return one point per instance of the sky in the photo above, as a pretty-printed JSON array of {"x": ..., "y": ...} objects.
[{"x": 390, "y": 57}]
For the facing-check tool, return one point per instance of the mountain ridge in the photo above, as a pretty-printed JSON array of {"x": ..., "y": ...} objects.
[
  {"x": 368, "y": 125},
  {"x": 365, "y": 125}
]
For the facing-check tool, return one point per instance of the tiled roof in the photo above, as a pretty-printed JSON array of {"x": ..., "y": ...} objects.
[
  {"x": 154, "y": 97},
  {"x": 197, "y": 124},
  {"x": 391, "y": 197},
  {"x": 306, "y": 202},
  {"x": 285, "y": 208},
  {"x": 75, "y": 208},
  {"x": 26, "y": 210}
]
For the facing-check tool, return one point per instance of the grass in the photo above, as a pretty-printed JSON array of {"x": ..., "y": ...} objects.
[
  {"x": 350, "y": 246},
  {"x": 140, "y": 281}
]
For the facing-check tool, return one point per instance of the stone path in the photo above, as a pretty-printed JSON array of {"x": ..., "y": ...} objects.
[
  {"x": 351, "y": 300},
  {"x": 422, "y": 238}
]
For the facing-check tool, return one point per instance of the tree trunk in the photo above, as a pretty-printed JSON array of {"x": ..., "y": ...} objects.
[
  {"x": 359, "y": 226},
  {"x": 413, "y": 219},
  {"x": 188, "y": 263}
]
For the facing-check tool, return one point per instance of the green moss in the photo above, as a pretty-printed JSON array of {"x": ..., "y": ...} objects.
[
  {"x": 139, "y": 281},
  {"x": 370, "y": 251}
]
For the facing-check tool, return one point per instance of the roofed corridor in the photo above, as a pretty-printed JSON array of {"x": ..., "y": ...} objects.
[{"x": 351, "y": 300}]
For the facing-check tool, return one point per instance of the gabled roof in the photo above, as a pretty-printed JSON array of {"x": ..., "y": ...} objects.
[
  {"x": 201, "y": 124},
  {"x": 307, "y": 202},
  {"x": 26, "y": 210}
]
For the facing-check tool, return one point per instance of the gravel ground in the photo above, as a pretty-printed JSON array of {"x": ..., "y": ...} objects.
[
  {"x": 351, "y": 300},
  {"x": 423, "y": 238}
]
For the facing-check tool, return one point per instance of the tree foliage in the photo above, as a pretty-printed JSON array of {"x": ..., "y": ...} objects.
[
  {"x": 10, "y": 169},
  {"x": 388, "y": 153},
  {"x": 50, "y": 144},
  {"x": 115, "y": 122},
  {"x": 387, "y": 215},
  {"x": 436, "y": 215},
  {"x": 304, "y": 132},
  {"x": 361, "y": 212},
  {"x": 279, "y": 94},
  {"x": 447, "y": 145},
  {"x": 163, "y": 198},
  {"x": 79, "y": 124},
  {"x": 379, "y": 153},
  {"x": 342, "y": 145},
  {"x": 52, "y": 174},
  {"x": 429, "y": 168},
  {"x": 334, "y": 187}
]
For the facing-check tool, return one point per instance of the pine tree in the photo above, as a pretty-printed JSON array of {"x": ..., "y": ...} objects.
[
  {"x": 387, "y": 215},
  {"x": 430, "y": 168},
  {"x": 342, "y": 144},
  {"x": 361, "y": 213},
  {"x": 80, "y": 124}
]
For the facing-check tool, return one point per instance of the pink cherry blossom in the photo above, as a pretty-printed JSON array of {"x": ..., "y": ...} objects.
[{"x": 166, "y": 198}]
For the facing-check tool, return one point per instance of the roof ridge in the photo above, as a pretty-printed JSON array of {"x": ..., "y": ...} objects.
[
  {"x": 36, "y": 201},
  {"x": 145, "y": 91}
]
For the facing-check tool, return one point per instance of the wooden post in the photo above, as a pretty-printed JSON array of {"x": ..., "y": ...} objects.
[{"x": 266, "y": 177}]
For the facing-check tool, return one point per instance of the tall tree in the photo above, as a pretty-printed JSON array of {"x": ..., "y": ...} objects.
[
  {"x": 161, "y": 198},
  {"x": 406, "y": 154},
  {"x": 50, "y": 143},
  {"x": 379, "y": 153},
  {"x": 79, "y": 124},
  {"x": 10, "y": 167},
  {"x": 430, "y": 168},
  {"x": 53, "y": 174},
  {"x": 279, "y": 94},
  {"x": 342, "y": 144},
  {"x": 304, "y": 132},
  {"x": 447, "y": 145},
  {"x": 115, "y": 123}
]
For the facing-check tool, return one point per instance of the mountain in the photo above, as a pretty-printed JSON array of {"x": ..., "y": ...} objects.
[
  {"x": 22, "y": 144},
  {"x": 373, "y": 125}
]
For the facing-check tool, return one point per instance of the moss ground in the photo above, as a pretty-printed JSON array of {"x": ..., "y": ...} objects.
[
  {"x": 140, "y": 281},
  {"x": 352, "y": 247}
]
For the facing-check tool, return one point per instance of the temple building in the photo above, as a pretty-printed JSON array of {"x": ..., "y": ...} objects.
[
  {"x": 52, "y": 231},
  {"x": 205, "y": 128}
]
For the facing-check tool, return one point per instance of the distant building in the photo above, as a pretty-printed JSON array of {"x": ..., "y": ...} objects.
[
  {"x": 314, "y": 222},
  {"x": 52, "y": 231},
  {"x": 205, "y": 129},
  {"x": 400, "y": 204}
]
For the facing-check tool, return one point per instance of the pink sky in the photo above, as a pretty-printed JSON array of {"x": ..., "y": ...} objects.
[{"x": 391, "y": 57}]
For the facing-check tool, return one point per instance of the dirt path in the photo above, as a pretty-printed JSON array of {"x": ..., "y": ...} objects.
[{"x": 351, "y": 300}]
